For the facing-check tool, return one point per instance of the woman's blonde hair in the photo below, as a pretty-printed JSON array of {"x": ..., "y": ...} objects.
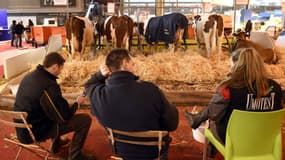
[{"x": 248, "y": 71}]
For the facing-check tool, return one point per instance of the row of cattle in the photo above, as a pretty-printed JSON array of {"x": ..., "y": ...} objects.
[
  {"x": 172, "y": 29},
  {"x": 119, "y": 30}
]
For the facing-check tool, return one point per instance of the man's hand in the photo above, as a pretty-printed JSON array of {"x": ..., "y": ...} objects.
[
  {"x": 81, "y": 99},
  {"x": 105, "y": 71}
]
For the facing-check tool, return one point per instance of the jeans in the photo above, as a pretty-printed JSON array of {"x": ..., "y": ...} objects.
[{"x": 79, "y": 124}]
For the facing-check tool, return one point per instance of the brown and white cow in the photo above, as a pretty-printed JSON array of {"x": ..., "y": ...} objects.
[
  {"x": 209, "y": 30},
  {"x": 268, "y": 55},
  {"x": 79, "y": 34},
  {"x": 119, "y": 31}
]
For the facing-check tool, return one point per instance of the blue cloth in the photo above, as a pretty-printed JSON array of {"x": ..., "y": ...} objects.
[
  {"x": 246, "y": 15},
  {"x": 163, "y": 28}
]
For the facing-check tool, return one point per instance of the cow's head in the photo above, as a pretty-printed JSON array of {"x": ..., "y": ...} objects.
[
  {"x": 240, "y": 34},
  {"x": 197, "y": 18}
]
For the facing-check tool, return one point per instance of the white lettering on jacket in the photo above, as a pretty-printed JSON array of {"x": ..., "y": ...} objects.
[{"x": 264, "y": 103}]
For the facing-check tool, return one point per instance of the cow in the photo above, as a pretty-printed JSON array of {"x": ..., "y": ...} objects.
[
  {"x": 209, "y": 30},
  {"x": 171, "y": 29},
  {"x": 268, "y": 55},
  {"x": 117, "y": 30},
  {"x": 80, "y": 32}
]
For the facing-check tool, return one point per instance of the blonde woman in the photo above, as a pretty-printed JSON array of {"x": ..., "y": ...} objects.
[{"x": 247, "y": 87}]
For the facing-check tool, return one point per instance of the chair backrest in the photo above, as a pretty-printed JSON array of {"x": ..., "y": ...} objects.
[
  {"x": 9, "y": 117},
  {"x": 254, "y": 133},
  {"x": 157, "y": 135}
]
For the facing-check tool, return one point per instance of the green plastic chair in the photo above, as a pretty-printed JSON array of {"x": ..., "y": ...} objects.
[{"x": 250, "y": 136}]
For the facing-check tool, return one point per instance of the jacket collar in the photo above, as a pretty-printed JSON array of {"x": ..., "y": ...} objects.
[
  {"x": 41, "y": 69},
  {"x": 121, "y": 76}
]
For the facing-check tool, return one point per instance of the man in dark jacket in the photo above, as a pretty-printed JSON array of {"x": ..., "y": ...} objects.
[
  {"x": 12, "y": 32},
  {"x": 39, "y": 93},
  {"x": 19, "y": 30},
  {"x": 120, "y": 101}
]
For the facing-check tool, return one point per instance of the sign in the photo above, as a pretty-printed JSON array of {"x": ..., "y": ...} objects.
[
  {"x": 60, "y": 2},
  {"x": 241, "y": 2},
  {"x": 111, "y": 7},
  {"x": 57, "y": 3}
]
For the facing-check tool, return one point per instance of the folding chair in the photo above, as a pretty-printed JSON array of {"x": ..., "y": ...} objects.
[
  {"x": 7, "y": 118},
  {"x": 117, "y": 136}
]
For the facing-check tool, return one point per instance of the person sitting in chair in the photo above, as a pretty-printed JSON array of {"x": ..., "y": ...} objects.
[
  {"x": 121, "y": 101},
  {"x": 49, "y": 113},
  {"x": 247, "y": 87}
]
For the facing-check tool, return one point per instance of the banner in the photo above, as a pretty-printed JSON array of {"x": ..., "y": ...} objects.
[
  {"x": 60, "y": 2},
  {"x": 57, "y": 3},
  {"x": 241, "y": 2},
  {"x": 111, "y": 7}
]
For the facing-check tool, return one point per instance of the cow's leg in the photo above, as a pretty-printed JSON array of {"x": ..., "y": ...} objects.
[
  {"x": 171, "y": 47},
  {"x": 178, "y": 38},
  {"x": 208, "y": 44},
  {"x": 126, "y": 41},
  {"x": 73, "y": 46},
  {"x": 155, "y": 46},
  {"x": 139, "y": 42},
  {"x": 113, "y": 35},
  {"x": 219, "y": 47},
  {"x": 130, "y": 42},
  {"x": 68, "y": 45}
]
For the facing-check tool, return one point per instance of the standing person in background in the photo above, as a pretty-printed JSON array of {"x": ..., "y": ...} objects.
[
  {"x": 12, "y": 32},
  {"x": 31, "y": 23},
  {"x": 19, "y": 30},
  {"x": 248, "y": 28},
  {"x": 28, "y": 32},
  {"x": 121, "y": 101},
  {"x": 247, "y": 87}
]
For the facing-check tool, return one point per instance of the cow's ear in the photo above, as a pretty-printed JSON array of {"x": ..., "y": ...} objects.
[{"x": 197, "y": 17}]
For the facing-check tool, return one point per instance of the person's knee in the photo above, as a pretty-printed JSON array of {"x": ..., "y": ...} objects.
[{"x": 85, "y": 119}]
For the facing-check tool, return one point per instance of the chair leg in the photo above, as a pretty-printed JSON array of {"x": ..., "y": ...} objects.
[
  {"x": 18, "y": 153},
  {"x": 205, "y": 149}
]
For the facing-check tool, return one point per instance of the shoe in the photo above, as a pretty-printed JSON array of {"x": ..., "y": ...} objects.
[
  {"x": 86, "y": 157},
  {"x": 58, "y": 143},
  {"x": 193, "y": 119}
]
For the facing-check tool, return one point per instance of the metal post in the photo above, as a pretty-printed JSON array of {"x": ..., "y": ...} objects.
[{"x": 234, "y": 28}]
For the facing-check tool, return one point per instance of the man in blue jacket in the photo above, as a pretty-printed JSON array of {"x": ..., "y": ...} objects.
[
  {"x": 121, "y": 101},
  {"x": 49, "y": 113}
]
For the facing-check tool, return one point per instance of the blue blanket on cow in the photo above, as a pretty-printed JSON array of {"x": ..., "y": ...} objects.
[{"x": 163, "y": 28}]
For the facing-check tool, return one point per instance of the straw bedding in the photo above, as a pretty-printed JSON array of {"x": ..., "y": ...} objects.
[{"x": 179, "y": 71}]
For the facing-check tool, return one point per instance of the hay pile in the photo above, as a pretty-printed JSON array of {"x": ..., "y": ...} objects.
[
  {"x": 277, "y": 71},
  {"x": 180, "y": 71}
]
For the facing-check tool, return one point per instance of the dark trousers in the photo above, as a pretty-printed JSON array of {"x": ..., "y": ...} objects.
[
  {"x": 79, "y": 124},
  {"x": 13, "y": 39},
  {"x": 18, "y": 40}
]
